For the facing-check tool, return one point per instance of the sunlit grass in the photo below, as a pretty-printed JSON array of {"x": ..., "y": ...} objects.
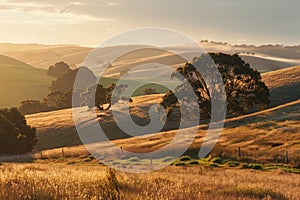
[{"x": 62, "y": 181}]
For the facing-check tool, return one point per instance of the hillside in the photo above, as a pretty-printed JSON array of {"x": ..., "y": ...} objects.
[
  {"x": 264, "y": 58},
  {"x": 9, "y": 47},
  {"x": 48, "y": 55},
  {"x": 284, "y": 85},
  {"x": 20, "y": 81},
  {"x": 263, "y": 136}
]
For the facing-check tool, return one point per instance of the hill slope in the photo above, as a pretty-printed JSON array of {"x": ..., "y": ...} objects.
[
  {"x": 45, "y": 57},
  {"x": 263, "y": 136},
  {"x": 264, "y": 58},
  {"x": 284, "y": 85},
  {"x": 20, "y": 81}
]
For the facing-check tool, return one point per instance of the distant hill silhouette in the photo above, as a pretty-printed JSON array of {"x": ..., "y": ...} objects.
[
  {"x": 264, "y": 58},
  {"x": 20, "y": 81}
]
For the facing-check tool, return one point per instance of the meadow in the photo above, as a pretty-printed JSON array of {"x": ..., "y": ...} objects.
[{"x": 58, "y": 180}]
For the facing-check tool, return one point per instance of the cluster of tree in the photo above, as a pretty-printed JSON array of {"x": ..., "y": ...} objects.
[
  {"x": 61, "y": 91},
  {"x": 244, "y": 87},
  {"x": 148, "y": 91},
  {"x": 53, "y": 101},
  {"x": 16, "y": 137}
]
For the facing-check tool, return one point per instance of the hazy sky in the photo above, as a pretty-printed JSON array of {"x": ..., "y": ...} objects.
[{"x": 89, "y": 22}]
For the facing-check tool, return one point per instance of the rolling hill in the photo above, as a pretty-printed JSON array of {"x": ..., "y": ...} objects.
[
  {"x": 284, "y": 85},
  {"x": 264, "y": 58},
  {"x": 20, "y": 81},
  {"x": 46, "y": 56},
  {"x": 262, "y": 135}
]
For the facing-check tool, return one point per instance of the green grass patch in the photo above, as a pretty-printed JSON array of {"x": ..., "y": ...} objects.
[
  {"x": 252, "y": 166},
  {"x": 133, "y": 159}
]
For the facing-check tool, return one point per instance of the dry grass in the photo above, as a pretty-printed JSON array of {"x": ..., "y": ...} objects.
[
  {"x": 284, "y": 85},
  {"x": 262, "y": 136},
  {"x": 56, "y": 181}
]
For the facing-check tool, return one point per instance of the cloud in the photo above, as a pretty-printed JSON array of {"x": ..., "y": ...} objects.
[
  {"x": 113, "y": 4},
  {"x": 68, "y": 11}
]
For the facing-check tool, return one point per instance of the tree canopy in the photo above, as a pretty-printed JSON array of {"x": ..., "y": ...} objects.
[
  {"x": 244, "y": 87},
  {"x": 15, "y": 135}
]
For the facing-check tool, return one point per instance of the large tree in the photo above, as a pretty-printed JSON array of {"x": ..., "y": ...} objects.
[
  {"x": 244, "y": 87},
  {"x": 15, "y": 135}
]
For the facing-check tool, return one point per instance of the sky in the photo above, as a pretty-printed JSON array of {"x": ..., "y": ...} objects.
[{"x": 90, "y": 22}]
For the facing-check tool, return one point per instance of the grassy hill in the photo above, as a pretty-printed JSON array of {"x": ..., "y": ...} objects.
[
  {"x": 48, "y": 55},
  {"x": 284, "y": 85},
  {"x": 9, "y": 47},
  {"x": 262, "y": 136},
  {"x": 264, "y": 58},
  {"x": 20, "y": 81}
]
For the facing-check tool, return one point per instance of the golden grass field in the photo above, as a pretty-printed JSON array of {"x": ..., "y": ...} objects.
[{"x": 84, "y": 182}]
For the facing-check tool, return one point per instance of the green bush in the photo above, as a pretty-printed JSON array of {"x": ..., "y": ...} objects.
[
  {"x": 251, "y": 166},
  {"x": 185, "y": 158},
  {"x": 232, "y": 164},
  {"x": 216, "y": 160},
  {"x": 180, "y": 164},
  {"x": 194, "y": 162}
]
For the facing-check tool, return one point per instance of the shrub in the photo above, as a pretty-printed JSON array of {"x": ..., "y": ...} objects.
[
  {"x": 180, "y": 164},
  {"x": 185, "y": 158},
  {"x": 16, "y": 137},
  {"x": 216, "y": 160},
  {"x": 194, "y": 162}
]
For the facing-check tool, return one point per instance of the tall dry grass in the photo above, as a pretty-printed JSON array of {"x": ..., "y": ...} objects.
[{"x": 57, "y": 181}]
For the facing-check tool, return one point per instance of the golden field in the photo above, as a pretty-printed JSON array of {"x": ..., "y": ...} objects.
[{"x": 59, "y": 181}]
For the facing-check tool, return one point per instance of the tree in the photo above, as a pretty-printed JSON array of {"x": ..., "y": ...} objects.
[
  {"x": 30, "y": 107},
  {"x": 15, "y": 135},
  {"x": 103, "y": 96},
  {"x": 148, "y": 91},
  {"x": 58, "y": 69},
  {"x": 244, "y": 88}
]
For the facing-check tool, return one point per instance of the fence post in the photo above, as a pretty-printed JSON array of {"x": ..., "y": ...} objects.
[
  {"x": 286, "y": 157},
  {"x": 122, "y": 150},
  {"x": 42, "y": 155},
  {"x": 239, "y": 152},
  {"x": 63, "y": 152}
]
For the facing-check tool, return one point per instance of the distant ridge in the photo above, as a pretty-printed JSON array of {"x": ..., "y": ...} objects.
[
  {"x": 6, "y": 47},
  {"x": 264, "y": 58},
  {"x": 5, "y": 60}
]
